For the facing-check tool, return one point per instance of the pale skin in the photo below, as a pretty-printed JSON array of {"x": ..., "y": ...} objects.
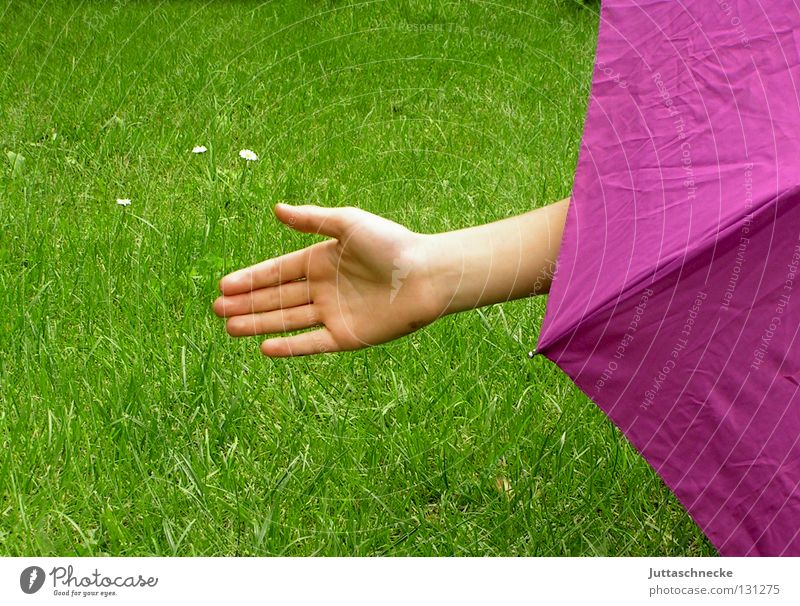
[{"x": 374, "y": 280}]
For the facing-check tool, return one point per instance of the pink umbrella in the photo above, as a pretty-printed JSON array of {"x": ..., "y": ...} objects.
[{"x": 676, "y": 301}]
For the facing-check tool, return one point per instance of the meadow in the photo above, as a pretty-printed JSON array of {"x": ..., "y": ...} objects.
[{"x": 132, "y": 424}]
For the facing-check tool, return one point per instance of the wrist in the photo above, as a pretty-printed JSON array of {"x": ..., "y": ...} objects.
[{"x": 448, "y": 273}]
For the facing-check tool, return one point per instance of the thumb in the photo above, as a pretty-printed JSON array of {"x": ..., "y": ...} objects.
[{"x": 313, "y": 219}]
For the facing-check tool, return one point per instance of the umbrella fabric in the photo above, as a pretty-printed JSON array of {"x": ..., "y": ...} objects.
[{"x": 676, "y": 301}]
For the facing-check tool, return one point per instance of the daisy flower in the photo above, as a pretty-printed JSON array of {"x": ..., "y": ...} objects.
[
  {"x": 248, "y": 155},
  {"x": 123, "y": 201},
  {"x": 199, "y": 149}
]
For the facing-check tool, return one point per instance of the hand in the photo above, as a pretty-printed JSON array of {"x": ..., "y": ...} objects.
[{"x": 367, "y": 285}]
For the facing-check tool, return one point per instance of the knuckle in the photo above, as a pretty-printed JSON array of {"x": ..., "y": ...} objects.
[
  {"x": 352, "y": 212},
  {"x": 312, "y": 316},
  {"x": 272, "y": 273}
]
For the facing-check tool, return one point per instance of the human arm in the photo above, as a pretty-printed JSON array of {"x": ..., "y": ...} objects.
[{"x": 375, "y": 280}]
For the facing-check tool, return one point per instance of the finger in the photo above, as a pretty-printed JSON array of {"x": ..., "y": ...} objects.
[
  {"x": 285, "y": 268},
  {"x": 314, "y": 219},
  {"x": 312, "y": 342},
  {"x": 290, "y": 294},
  {"x": 281, "y": 320}
]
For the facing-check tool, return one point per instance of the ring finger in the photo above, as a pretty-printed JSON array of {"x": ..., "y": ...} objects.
[{"x": 279, "y": 320}]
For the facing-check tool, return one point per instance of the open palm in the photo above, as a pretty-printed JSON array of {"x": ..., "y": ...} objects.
[{"x": 367, "y": 285}]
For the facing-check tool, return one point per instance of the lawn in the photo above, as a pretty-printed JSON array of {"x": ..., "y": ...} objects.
[{"x": 132, "y": 424}]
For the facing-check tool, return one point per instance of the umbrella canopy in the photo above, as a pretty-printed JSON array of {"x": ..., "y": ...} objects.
[{"x": 676, "y": 301}]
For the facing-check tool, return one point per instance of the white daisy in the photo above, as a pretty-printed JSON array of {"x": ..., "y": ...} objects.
[
  {"x": 248, "y": 155},
  {"x": 199, "y": 149},
  {"x": 123, "y": 201}
]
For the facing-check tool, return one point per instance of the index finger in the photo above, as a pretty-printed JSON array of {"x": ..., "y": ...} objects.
[{"x": 288, "y": 267}]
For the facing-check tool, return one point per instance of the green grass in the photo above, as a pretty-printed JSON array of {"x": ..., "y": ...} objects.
[{"x": 131, "y": 424}]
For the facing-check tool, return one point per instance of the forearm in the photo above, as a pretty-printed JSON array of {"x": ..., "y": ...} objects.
[{"x": 500, "y": 261}]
